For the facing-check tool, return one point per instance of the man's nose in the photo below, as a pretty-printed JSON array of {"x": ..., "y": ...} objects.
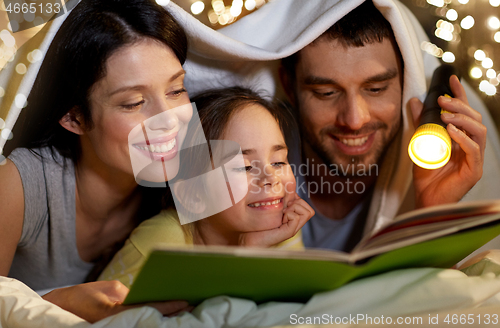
[{"x": 355, "y": 112}]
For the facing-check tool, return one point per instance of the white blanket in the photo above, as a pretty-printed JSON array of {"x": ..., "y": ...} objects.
[{"x": 403, "y": 293}]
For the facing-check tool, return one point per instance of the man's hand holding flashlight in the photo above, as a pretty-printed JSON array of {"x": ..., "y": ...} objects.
[{"x": 451, "y": 182}]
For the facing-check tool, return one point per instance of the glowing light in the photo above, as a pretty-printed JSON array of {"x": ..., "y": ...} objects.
[
  {"x": 487, "y": 63},
  {"x": 259, "y": 3},
  {"x": 476, "y": 73},
  {"x": 218, "y": 6},
  {"x": 7, "y": 134},
  {"x": 493, "y": 23},
  {"x": 495, "y": 3},
  {"x": 437, "y": 3},
  {"x": 235, "y": 11},
  {"x": 21, "y": 69},
  {"x": 213, "y": 17},
  {"x": 467, "y": 22},
  {"x": 463, "y": 1},
  {"x": 197, "y": 7},
  {"x": 250, "y": 5},
  {"x": 479, "y": 55},
  {"x": 490, "y": 90},
  {"x": 496, "y": 37},
  {"x": 162, "y": 2},
  {"x": 7, "y": 39},
  {"x": 483, "y": 85},
  {"x": 452, "y": 15},
  {"x": 20, "y": 100},
  {"x": 430, "y": 146},
  {"x": 2, "y": 93},
  {"x": 224, "y": 19},
  {"x": 494, "y": 81},
  {"x": 491, "y": 73},
  {"x": 444, "y": 34},
  {"x": 448, "y": 57}
]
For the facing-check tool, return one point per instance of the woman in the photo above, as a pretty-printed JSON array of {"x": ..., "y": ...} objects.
[{"x": 70, "y": 194}]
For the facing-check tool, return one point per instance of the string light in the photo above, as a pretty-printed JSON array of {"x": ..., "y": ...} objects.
[
  {"x": 476, "y": 72},
  {"x": 493, "y": 23},
  {"x": 448, "y": 57},
  {"x": 496, "y": 37},
  {"x": 479, "y": 55},
  {"x": 463, "y": 1},
  {"x": 487, "y": 63},
  {"x": 452, "y": 15},
  {"x": 250, "y": 5},
  {"x": 197, "y": 7},
  {"x": 490, "y": 73},
  {"x": 467, "y": 22},
  {"x": 437, "y": 3},
  {"x": 495, "y": 3}
]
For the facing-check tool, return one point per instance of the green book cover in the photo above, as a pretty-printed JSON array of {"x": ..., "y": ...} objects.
[{"x": 195, "y": 274}]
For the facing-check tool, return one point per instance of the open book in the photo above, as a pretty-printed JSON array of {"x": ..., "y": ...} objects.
[{"x": 435, "y": 237}]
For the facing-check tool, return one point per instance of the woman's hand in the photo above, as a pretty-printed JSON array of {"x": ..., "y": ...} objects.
[
  {"x": 94, "y": 301},
  {"x": 297, "y": 213},
  {"x": 451, "y": 182}
]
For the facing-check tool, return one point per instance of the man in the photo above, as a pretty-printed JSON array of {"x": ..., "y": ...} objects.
[{"x": 347, "y": 88}]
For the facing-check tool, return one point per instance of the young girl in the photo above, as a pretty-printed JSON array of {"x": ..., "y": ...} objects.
[{"x": 269, "y": 212}]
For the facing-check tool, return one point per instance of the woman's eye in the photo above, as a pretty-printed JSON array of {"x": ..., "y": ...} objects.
[
  {"x": 178, "y": 92},
  {"x": 133, "y": 106}
]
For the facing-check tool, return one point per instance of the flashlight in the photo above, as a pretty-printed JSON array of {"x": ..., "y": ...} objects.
[{"x": 430, "y": 146}]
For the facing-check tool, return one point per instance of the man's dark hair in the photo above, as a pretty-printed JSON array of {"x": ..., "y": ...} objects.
[{"x": 365, "y": 24}]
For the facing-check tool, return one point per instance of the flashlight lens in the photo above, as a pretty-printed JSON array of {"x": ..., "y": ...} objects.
[{"x": 430, "y": 146}]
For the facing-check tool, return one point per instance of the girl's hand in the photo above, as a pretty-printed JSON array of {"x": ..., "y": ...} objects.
[
  {"x": 94, "y": 301},
  {"x": 451, "y": 182},
  {"x": 297, "y": 213}
]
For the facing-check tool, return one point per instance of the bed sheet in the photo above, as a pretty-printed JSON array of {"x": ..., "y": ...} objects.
[{"x": 406, "y": 293}]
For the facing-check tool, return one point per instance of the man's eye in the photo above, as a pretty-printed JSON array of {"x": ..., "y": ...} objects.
[
  {"x": 133, "y": 106},
  {"x": 377, "y": 90},
  {"x": 320, "y": 93},
  {"x": 177, "y": 93}
]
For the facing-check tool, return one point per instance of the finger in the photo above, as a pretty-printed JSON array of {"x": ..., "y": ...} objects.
[
  {"x": 458, "y": 89},
  {"x": 456, "y": 105},
  {"x": 472, "y": 151},
  {"x": 165, "y": 308},
  {"x": 473, "y": 128},
  {"x": 416, "y": 107},
  {"x": 303, "y": 204},
  {"x": 187, "y": 309}
]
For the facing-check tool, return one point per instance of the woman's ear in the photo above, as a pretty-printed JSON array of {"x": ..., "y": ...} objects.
[
  {"x": 73, "y": 121},
  {"x": 187, "y": 197}
]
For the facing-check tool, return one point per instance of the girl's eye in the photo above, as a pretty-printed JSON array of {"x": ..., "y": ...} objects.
[
  {"x": 133, "y": 106},
  {"x": 242, "y": 169},
  {"x": 279, "y": 164},
  {"x": 324, "y": 93}
]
